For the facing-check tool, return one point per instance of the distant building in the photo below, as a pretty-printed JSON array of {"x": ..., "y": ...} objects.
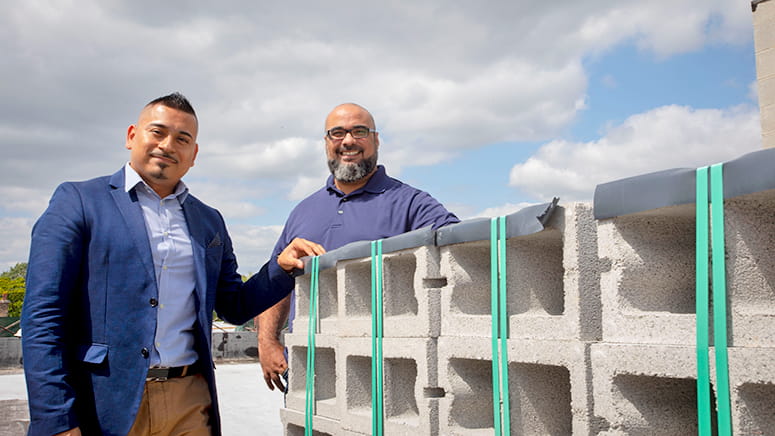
[{"x": 764, "y": 46}]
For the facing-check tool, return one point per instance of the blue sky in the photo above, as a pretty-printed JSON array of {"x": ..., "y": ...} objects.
[{"x": 487, "y": 108}]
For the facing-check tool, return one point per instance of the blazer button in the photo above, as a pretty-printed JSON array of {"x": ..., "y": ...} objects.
[
  {"x": 145, "y": 352},
  {"x": 154, "y": 302}
]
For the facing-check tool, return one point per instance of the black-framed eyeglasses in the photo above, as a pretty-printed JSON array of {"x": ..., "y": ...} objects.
[{"x": 357, "y": 132}]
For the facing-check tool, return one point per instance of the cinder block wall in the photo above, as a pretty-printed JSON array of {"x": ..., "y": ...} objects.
[
  {"x": 764, "y": 46},
  {"x": 601, "y": 330}
]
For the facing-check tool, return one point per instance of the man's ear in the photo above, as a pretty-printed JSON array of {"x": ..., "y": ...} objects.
[
  {"x": 196, "y": 151},
  {"x": 130, "y": 136},
  {"x": 376, "y": 139}
]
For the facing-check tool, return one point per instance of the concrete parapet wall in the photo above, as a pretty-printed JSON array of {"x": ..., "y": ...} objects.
[
  {"x": 764, "y": 48},
  {"x": 239, "y": 345}
]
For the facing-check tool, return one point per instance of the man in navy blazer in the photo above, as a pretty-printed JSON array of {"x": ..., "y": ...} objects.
[{"x": 124, "y": 274}]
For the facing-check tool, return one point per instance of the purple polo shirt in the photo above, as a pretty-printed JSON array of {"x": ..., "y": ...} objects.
[{"x": 384, "y": 207}]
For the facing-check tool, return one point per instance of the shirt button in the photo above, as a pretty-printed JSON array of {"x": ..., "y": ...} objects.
[
  {"x": 164, "y": 267},
  {"x": 145, "y": 352},
  {"x": 340, "y": 212},
  {"x": 154, "y": 302}
]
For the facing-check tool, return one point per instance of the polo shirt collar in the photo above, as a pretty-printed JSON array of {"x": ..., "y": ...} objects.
[{"x": 377, "y": 184}]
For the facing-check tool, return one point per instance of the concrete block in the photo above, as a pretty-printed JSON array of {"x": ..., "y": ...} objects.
[
  {"x": 768, "y": 139},
  {"x": 549, "y": 387},
  {"x": 645, "y": 389},
  {"x": 328, "y": 302},
  {"x": 552, "y": 278},
  {"x": 326, "y": 357},
  {"x": 764, "y": 26},
  {"x": 765, "y": 63},
  {"x": 411, "y": 294},
  {"x": 294, "y": 422},
  {"x": 410, "y": 385},
  {"x": 752, "y": 390},
  {"x": 766, "y": 93},
  {"x": 749, "y": 223},
  {"x": 648, "y": 285}
]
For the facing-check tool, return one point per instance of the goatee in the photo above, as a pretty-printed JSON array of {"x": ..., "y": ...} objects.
[{"x": 350, "y": 173}]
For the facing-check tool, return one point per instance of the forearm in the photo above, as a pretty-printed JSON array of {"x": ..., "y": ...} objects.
[{"x": 271, "y": 321}]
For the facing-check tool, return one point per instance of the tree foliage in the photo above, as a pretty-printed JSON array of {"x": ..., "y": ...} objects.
[{"x": 12, "y": 286}]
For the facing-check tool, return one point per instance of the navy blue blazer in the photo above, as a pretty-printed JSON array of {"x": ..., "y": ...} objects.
[{"x": 87, "y": 321}]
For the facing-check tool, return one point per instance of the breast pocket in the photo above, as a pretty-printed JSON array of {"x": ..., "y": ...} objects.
[{"x": 96, "y": 354}]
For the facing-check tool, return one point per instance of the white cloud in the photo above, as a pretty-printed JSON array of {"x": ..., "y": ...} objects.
[
  {"x": 440, "y": 77},
  {"x": 663, "y": 138},
  {"x": 15, "y": 234},
  {"x": 253, "y": 245},
  {"x": 500, "y": 210}
]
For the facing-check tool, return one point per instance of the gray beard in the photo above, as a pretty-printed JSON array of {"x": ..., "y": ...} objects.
[{"x": 350, "y": 173}]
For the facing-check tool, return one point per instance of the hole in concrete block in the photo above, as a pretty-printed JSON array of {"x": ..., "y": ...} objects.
[
  {"x": 358, "y": 387},
  {"x": 295, "y": 430},
  {"x": 660, "y": 405},
  {"x": 534, "y": 273},
  {"x": 298, "y": 380},
  {"x": 470, "y": 277},
  {"x": 398, "y": 284},
  {"x": 540, "y": 399},
  {"x": 327, "y": 296},
  {"x": 400, "y": 401},
  {"x": 658, "y": 271},
  {"x": 757, "y": 414},
  {"x": 358, "y": 289},
  {"x": 433, "y": 392},
  {"x": 750, "y": 236},
  {"x": 325, "y": 373},
  {"x": 471, "y": 390}
]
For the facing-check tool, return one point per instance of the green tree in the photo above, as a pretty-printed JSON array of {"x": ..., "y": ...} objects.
[{"x": 12, "y": 286}]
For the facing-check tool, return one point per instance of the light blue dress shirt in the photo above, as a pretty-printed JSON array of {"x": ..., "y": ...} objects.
[{"x": 173, "y": 261}]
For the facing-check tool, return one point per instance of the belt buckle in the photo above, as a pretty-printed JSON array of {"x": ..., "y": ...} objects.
[{"x": 161, "y": 378}]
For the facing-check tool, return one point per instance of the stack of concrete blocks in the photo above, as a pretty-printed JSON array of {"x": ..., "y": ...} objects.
[
  {"x": 554, "y": 314},
  {"x": 645, "y": 367},
  {"x": 601, "y": 312},
  {"x": 411, "y": 325}
]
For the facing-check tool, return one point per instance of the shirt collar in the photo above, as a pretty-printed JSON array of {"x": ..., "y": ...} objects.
[
  {"x": 377, "y": 184},
  {"x": 132, "y": 179}
]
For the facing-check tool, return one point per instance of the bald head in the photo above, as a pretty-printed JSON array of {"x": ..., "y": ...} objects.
[{"x": 349, "y": 111}]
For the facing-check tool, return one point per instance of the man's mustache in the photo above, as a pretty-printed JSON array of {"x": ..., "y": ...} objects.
[{"x": 164, "y": 155}]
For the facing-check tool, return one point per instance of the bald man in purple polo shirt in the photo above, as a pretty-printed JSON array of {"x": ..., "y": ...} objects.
[{"x": 359, "y": 202}]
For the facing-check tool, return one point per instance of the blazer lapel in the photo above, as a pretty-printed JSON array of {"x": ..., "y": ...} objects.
[
  {"x": 198, "y": 234},
  {"x": 126, "y": 202}
]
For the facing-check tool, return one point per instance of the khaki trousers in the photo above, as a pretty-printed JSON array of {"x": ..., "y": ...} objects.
[{"x": 175, "y": 407}]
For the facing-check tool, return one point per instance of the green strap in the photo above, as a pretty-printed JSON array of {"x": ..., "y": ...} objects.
[
  {"x": 496, "y": 395},
  {"x": 720, "y": 299},
  {"x": 377, "y": 424},
  {"x": 313, "y": 313},
  {"x": 499, "y": 313},
  {"x": 504, "y": 327},
  {"x": 702, "y": 286}
]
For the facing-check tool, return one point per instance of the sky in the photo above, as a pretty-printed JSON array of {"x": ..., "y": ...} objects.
[{"x": 488, "y": 106}]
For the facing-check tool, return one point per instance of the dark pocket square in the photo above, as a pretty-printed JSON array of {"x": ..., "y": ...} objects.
[{"x": 216, "y": 241}]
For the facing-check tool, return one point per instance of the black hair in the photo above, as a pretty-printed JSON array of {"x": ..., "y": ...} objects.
[{"x": 175, "y": 100}]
